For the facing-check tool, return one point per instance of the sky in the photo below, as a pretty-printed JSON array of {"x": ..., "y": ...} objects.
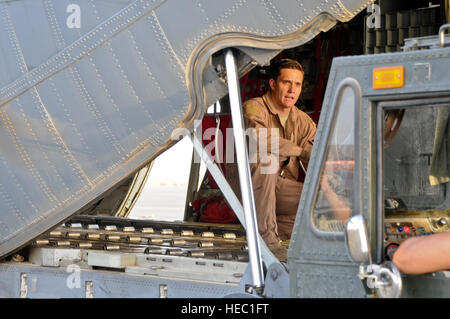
[
  {"x": 173, "y": 165},
  {"x": 164, "y": 195}
]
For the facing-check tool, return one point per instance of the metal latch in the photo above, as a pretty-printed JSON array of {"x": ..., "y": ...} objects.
[{"x": 385, "y": 279}]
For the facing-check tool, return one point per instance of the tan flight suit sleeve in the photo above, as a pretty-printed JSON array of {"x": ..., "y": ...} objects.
[
  {"x": 256, "y": 116},
  {"x": 307, "y": 133}
]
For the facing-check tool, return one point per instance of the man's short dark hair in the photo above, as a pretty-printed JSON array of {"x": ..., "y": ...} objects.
[{"x": 275, "y": 67}]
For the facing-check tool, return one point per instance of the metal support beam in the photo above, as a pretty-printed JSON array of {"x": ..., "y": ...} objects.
[
  {"x": 229, "y": 194},
  {"x": 245, "y": 180}
]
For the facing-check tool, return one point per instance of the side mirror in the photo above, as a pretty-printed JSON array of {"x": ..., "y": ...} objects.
[{"x": 357, "y": 239}]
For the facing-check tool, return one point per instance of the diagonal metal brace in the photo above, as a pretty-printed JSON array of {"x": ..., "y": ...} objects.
[{"x": 229, "y": 194}]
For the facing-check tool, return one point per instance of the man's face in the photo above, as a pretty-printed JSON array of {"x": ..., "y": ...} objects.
[{"x": 286, "y": 88}]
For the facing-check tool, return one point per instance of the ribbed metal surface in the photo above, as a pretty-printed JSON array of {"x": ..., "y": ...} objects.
[{"x": 83, "y": 108}]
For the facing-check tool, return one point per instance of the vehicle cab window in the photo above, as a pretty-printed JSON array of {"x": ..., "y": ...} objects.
[
  {"x": 416, "y": 190},
  {"x": 334, "y": 200}
]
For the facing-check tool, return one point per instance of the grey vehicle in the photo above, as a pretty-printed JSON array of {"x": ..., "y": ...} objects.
[
  {"x": 387, "y": 117},
  {"x": 92, "y": 92}
]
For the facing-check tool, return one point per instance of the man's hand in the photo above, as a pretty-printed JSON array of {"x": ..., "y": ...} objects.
[
  {"x": 325, "y": 185},
  {"x": 297, "y": 151},
  {"x": 305, "y": 152},
  {"x": 341, "y": 209}
]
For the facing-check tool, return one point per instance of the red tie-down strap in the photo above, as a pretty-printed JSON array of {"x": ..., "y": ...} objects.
[{"x": 208, "y": 122}]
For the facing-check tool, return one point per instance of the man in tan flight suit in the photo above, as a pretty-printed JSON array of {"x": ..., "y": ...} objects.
[{"x": 277, "y": 194}]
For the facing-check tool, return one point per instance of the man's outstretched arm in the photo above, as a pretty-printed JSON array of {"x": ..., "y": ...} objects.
[{"x": 424, "y": 254}]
